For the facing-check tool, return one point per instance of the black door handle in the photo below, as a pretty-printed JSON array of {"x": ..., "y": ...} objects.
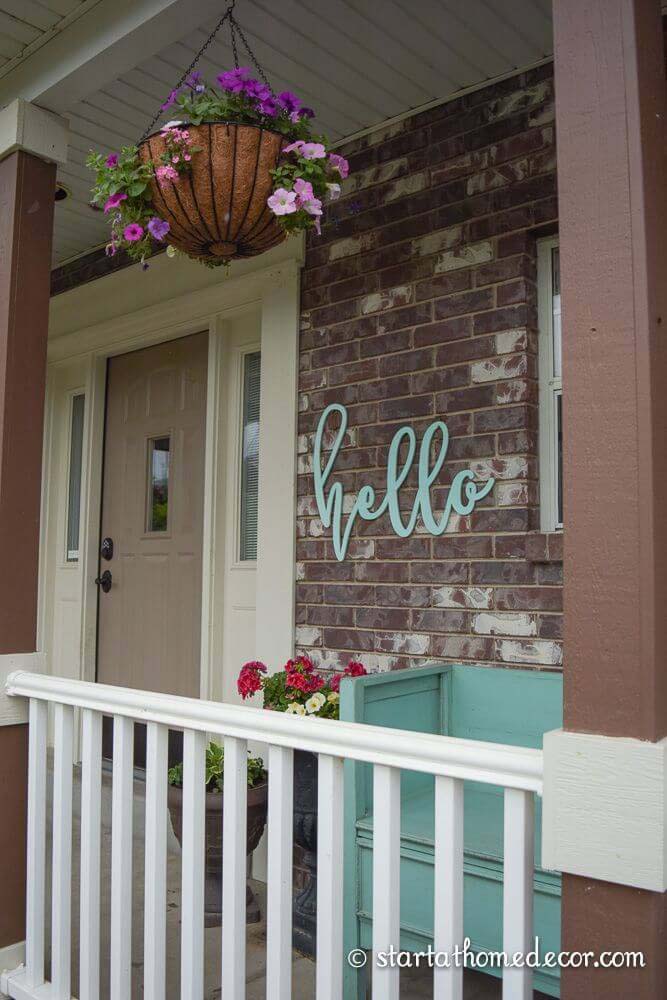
[{"x": 105, "y": 581}]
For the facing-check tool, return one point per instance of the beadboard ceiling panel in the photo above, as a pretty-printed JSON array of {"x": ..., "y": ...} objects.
[
  {"x": 357, "y": 62},
  {"x": 26, "y": 25}
]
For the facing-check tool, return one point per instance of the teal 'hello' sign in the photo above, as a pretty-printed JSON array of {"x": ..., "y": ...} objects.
[{"x": 463, "y": 494}]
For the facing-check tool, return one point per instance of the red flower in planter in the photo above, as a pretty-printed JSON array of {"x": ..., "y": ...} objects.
[
  {"x": 353, "y": 669},
  {"x": 249, "y": 681}
]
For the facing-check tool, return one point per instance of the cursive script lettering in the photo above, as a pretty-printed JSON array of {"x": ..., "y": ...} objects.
[{"x": 463, "y": 494}]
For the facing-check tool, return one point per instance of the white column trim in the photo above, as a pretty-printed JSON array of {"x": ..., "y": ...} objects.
[
  {"x": 14, "y": 711},
  {"x": 605, "y": 808},
  {"x": 276, "y": 530},
  {"x": 26, "y": 127}
]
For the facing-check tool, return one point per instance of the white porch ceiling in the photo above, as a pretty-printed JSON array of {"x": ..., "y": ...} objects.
[{"x": 357, "y": 62}]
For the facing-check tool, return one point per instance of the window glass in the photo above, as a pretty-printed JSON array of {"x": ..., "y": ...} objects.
[
  {"x": 250, "y": 457},
  {"x": 158, "y": 485},
  {"x": 555, "y": 312},
  {"x": 551, "y": 386},
  {"x": 74, "y": 482}
]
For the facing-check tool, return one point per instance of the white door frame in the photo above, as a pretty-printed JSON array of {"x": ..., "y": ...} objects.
[{"x": 274, "y": 293}]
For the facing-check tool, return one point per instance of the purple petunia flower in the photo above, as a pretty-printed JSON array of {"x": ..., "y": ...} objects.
[
  {"x": 257, "y": 89},
  {"x": 170, "y": 100},
  {"x": 289, "y": 101},
  {"x": 112, "y": 160},
  {"x": 306, "y": 113},
  {"x": 110, "y": 249},
  {"x": 294, "y": 147},
  {"x": 268, "y": 107},
  {"x": 194, "y": 82},
  {"x": 158, "y": 228},
  {"x": 114, "y": 201},
  {"x": 133, "y": 232},
  {"x": 234, "y": 80}
]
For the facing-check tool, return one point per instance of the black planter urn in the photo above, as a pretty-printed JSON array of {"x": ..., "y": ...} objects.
[{"x": 304, "y": 902}]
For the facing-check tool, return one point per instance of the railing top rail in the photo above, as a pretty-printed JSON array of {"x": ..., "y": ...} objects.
[{"x": 490, "y": 763}]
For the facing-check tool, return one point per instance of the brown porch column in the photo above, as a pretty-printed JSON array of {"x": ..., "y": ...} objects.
[
  {"x": 27, "y": 185},
  {"x": 610, "y": 114}
]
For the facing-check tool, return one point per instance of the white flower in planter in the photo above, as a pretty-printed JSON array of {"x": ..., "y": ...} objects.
[
  {"x": 295, "y": 709},
  {"x": 315, "y": 702}
]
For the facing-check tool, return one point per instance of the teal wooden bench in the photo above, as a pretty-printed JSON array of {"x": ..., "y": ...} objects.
[{"x": 480, "y": 703}]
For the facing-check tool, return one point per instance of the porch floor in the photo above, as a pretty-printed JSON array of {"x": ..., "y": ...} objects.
[{"x": 416, "y": 984}]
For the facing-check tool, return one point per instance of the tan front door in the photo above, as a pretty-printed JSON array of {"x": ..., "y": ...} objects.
[{"x": 152, "y": 516}]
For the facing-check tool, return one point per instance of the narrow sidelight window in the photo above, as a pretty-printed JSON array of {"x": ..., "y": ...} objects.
[
  {"x": 551, "y": 386},
  {"x": 74, "y": 482},
  {"x": 158, "y": 484},
  {"x": 250, "y": 456}
]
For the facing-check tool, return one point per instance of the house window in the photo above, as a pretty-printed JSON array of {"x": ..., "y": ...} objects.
[
  {"x": 74, "y": 478},
  {"x": 250, "y": 457},
  {"x": 551, "y": 386}
]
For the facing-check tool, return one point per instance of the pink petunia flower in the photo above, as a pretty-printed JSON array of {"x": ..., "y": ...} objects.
[
  {"x": 112, "y": 160},
  {"x": 340, "y": 164},
  {"x": 166, "y": 173},
  {"x": 313, "y": 151},
  {"x": 282, "y": 202},
  {"x": 294, "y": 147},
  {"x": 114, "y": 201},
  {"x": 133, "y": 232},
  {"x": 303, "y": 189},
  {"x": 312, "y": 205}
]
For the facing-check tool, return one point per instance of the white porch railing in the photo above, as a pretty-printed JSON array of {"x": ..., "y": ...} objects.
[{"x": 450, "y": 760}]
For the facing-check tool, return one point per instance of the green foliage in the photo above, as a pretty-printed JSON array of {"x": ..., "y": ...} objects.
[{"x": 215, "y": 760}]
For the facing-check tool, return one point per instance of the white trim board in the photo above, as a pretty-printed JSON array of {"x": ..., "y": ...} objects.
[
  {"x": 605, "y": 808},
  {"x": 14, "y": 711}
]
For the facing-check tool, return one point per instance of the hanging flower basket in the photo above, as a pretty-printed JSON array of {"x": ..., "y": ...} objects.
[
  {"x": 219, "y": 209},
  {"x": 238, "y": 172}
]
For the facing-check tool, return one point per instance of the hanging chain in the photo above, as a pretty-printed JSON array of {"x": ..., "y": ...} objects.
[
  {"x": 235, "y": 28},
  {"x": 234, "y": 31}
]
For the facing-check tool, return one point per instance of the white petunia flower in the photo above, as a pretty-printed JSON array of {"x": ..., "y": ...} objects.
[
  {"x": 315, "y": 702},
  {"x": 333, "y": 697},
  {"x": 295, "y": 709}
]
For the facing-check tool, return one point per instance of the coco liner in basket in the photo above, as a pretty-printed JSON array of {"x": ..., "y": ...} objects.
[{"x": 218, "y": 210}]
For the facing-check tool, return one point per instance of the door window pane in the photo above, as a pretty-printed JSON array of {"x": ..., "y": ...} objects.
[
  {"x": 250, "y": 456},
  {"x": 158, "y": 486},
  {"x": 74, "y": 483}
]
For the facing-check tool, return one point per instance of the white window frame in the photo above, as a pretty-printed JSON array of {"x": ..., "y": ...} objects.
[{"x": 550, "y": 386}]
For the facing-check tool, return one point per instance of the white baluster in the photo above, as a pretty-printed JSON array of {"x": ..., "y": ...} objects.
[
  {"x": 36, "y": 852},
  {"x": 91, "y": 799},
  {"x": 518, "y": 868},
  {"x": 329, "y": 966},
  {"x": 386, "y": 877},
  {"x": 192, "y": 897},
  {"x": 279, "y": 877},
  {"x": 155, "y": 879},
  {"x": 121, "y": 859},
  {"x": 448, "y": 883},
  {"x": 61, "y": 889},
  {"x": 234, "y": 869}
]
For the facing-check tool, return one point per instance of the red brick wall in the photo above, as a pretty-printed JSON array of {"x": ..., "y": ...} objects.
[{"x": 419, "y": 302}]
